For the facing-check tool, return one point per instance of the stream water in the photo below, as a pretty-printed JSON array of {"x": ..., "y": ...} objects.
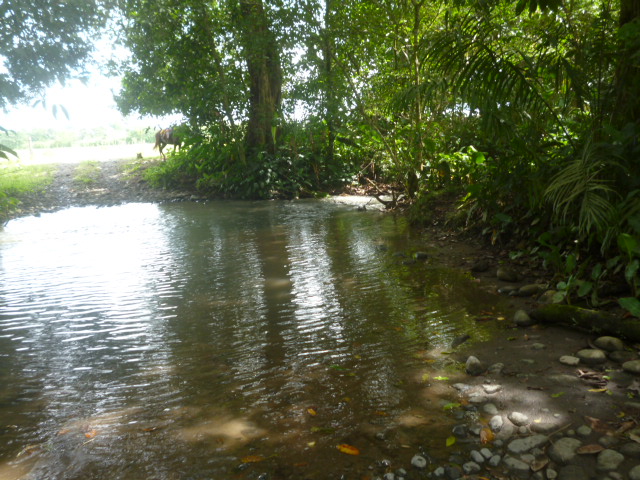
[{"x": 223, "y": 341}]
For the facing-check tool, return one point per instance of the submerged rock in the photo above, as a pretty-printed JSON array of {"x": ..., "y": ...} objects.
[
  {"x": 592, "y": 356},
  {"x": 522, "y": 319},
  {"x": 473, "y": 366},
  {"x": 610, "y": 344},
  {"x": 564, "y": 450},
  {"x": 507, "y": 274}
]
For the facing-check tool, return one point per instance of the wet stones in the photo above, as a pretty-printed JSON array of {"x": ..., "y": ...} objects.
[
  {"x": 522, "y": 445},
  {"x": 418, "y": 461},
  {"x": 473, "y": 366},
  {"x": 564, "y": 450},
  {"x": 609, "y": 344},
  {"x": 518, "y": 419},
  {"x": 507, "y": 274},
  {"x": 609, "y": 460},
  {"x": 592, "y": 356},
  {"x": 569, "y": 360},
  {"x": 522, "y": 319},
  {"x": 632, "y": 366}
]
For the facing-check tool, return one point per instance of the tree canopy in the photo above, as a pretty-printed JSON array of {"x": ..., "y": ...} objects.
[{"x": 45, "y": 41}]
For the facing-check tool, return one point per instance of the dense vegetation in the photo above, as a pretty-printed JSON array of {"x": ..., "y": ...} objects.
[{"x": 527, "y": 110}]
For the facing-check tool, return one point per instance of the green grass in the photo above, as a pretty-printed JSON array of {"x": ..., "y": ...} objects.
[
  {"x": 17, "y": 179},
  {"x": 87, "y": 173}
]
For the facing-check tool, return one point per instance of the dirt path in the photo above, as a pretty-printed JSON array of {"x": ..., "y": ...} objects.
[{"x": 97, "y": 183}]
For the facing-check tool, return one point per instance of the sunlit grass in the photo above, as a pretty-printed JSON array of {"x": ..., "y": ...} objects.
[
  {"x": 16, "y": 179},
  {"x": 87, "y": 173}
]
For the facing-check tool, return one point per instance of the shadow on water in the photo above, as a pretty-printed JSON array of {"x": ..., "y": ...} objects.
[{"x": 224, "y": 340}]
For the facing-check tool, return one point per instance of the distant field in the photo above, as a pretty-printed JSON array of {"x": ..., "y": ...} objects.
[{"x": 39, "y": 156}]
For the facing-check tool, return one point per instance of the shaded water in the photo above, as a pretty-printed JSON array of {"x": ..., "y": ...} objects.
[{"x": 222, "y": 340}]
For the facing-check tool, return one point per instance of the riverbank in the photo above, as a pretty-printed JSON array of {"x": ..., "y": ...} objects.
[{"x": 512, "y": 408}]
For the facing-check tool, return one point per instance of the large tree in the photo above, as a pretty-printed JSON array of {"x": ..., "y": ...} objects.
[
  {"x": 44, "y": 41},
  {"x": 215, "y": 62}
]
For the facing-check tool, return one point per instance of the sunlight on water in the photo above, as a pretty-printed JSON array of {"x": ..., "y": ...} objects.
[{"x": 147, "y": 341}]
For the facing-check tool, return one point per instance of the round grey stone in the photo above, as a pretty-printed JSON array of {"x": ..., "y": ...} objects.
[
  {"x": 622, "y": 356},
  {"x": 471, "y": 467},
  {"x": 522, "y": 319},
  {"x": 418, "y": 461},
  {"x": 439, "y": 472},
  {"x": 473, "y": 366},
  {"x": 490, "y": 409},
  {"x": 486, "y": 453},
  {"x": 631, "y": 449},
  {"x": 609, "y": 460},
  {"x": 573, "y": 472},
  {"x": 507, "y": 274},
  {"x": 515, "y": 465},
  {"x": 476, "y": 456},
  {"x": 634, "y": 473},
  {"x": 583, "y": 431},
  {"x": 523, "y": 445},
  {"x": 564, "y": 450},
  {"x": 496, "y": 423},
  {"x": 569, "y": 360},
  {"x": 495, "y": 460},
  {"x": 496, "y": 368},
  {"x": 389, "y": 476},
  {"x": 610, "y": 344},
  {"x": 632, "y": 366},
  {"x": 518, "y": 419},
  {"x": 491, "y": 389},
  {"x": 592, "y": 356}
]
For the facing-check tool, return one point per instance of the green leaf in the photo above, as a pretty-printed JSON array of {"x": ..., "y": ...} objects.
[
  {"x": 451, "y": 406},
  {"x": 585, "y": 288},
  {"x": 450, "y": 440},
  {"x": 441, "y": 378},
  {"x": 556, "y": 395},
  {"x": 631, "y": 271},
  {"x": 630, "y": 304},
  {"x": 629, "y": 244}
]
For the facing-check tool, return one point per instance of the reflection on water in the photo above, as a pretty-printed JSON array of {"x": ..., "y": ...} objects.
[{"x": 174, "y": 341}]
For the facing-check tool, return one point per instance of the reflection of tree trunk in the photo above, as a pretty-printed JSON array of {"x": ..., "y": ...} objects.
[
  {"x": 265, "y": 76},
  {"x": 627, "y": 107}
]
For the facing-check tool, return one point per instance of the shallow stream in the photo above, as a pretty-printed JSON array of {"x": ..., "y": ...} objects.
[{"x": 224, "y": 341}]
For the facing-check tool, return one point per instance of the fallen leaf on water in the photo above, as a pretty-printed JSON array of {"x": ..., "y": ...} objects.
[
  {"x": 598, "y": 390},
  {"x": 625, "y": 426},
  {"x": 589, "y": 449},
  {"x": 451, "y": 406},
  {"x": 486, "y": 435},
  {"x": 597, "y": 424},
  {"x": 91, "y": 434},
  {"x": 311, "y": 444},
  {"x": 556, "y": 395},
  {"x": 312, "y": 411},
  {"x": 252, "y": 459},
  {"x": 450, "y": 440},
  {"x": 441, "y": 378},
  {"x": 348, "y": 449},
  {"x": 380, "y": 413}
]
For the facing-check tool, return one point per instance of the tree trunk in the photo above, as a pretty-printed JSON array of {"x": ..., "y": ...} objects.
[
  {"x": 597, "y": 322},
  {"x": 627, "y": 105},
  {"x": 265, "y": 77}
]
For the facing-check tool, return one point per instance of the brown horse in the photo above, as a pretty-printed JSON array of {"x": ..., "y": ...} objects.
[{"x": 165, "y": 137}]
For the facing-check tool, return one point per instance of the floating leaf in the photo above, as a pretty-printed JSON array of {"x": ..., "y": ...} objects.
[
  {"x": 486, "y": 435},
  {"x": 441, "y": 378},
  {"x": 589, "y": 449},
  {"x": 598, "y": 390},
  {"x": 337, "y": 367},
  {"x": 539, "y": 463},
  {"x": 312, "y": 411},
  {"x": 556, "y": 395},
  {"x": 450, "y": 440},
  {"x": 311, "y": 444},
  {"x": 91, "y": 434},
  {"x": 252, "y": 459},
  {"x": 348, "y": 449},
  {"x": 451, "y": 406}
]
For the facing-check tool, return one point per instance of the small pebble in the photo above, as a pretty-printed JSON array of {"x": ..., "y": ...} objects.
[
  {"x": 490, "y": 389},
  {"x": 470, "y": 468},
  {"x": 418, "y": 461},
  {"x": 494, "y": 461},
  {"x": 496, "y": 423},
  {"x": 518, "y": 419},
  {"x": 583, "y": 431},
  {"x": 490, "y": 409},
  {"x": 569, "y": 360}
]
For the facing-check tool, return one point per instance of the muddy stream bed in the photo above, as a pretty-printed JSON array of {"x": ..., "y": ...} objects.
[{"x": 258, "y": 340}]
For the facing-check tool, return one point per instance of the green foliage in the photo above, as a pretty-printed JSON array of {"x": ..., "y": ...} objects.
[
  {"x": 17, "y": 180},
  {"x": 44, "y": 42}
]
